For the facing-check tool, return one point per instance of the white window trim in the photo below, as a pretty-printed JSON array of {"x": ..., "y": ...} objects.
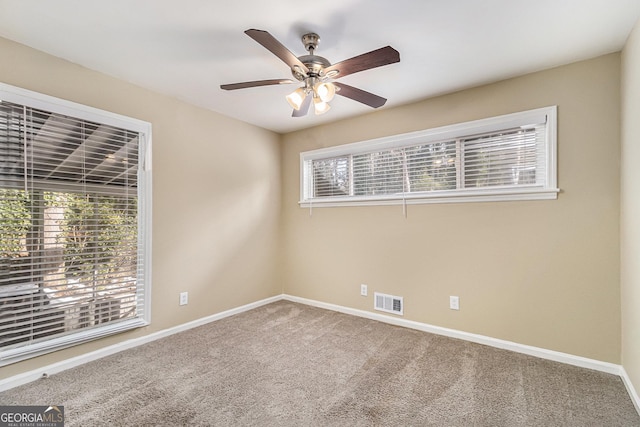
[
  {"x": 530, "y": 192},
  {"x": 56, "y": 105}
]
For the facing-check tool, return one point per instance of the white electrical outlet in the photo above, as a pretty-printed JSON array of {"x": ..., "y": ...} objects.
[
  {"x": 363, "y": 290},
  {"x": 184, "y": 298},
  {"x": 454, "y": 303}
]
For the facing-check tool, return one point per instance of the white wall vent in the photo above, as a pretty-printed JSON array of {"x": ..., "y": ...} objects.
[{"x": 388, "y": 303}]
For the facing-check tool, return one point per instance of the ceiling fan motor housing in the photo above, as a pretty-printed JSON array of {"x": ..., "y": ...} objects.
[{"x": 316, "y": 64}]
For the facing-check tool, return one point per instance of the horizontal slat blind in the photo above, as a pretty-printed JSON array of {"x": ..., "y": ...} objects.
[
  {"x": 70, "y": 253},
  {"x": 503, "y": 159},
  {"x": 332, "y": 177}
]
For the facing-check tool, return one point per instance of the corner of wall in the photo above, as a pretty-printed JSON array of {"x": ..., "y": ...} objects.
[{"x": 630, "y": 212}]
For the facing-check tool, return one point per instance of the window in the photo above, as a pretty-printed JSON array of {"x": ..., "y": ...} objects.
[
  {"x": 510, "y": 157},
  {"x": 74, "y": 223}
]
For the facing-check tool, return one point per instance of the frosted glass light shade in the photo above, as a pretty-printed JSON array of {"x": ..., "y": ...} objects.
[
  {"x": 319, "y": 106},
  {"x": 296, "y": 97},
  {"x": 326, "y": 91}
]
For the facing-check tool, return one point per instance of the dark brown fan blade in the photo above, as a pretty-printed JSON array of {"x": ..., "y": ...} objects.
[
  {"x": 304, "y": 108},
  {"x": 244, "y": 85},
  {"x": 277, "y": 48},
  {"x": 375, "y": 58},
  {"x": 360, "y": 95}
]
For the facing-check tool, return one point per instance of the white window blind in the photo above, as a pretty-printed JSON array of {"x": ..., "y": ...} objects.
[
  {"x": 73, "y": 212},
  {"x": 502, "y": 158}
]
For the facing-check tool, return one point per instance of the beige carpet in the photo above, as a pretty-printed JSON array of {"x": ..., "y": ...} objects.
[{"x": 286, "y": 364}]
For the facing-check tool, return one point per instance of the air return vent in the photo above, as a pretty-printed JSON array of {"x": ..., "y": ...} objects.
[{"x": 388, "y": 303}]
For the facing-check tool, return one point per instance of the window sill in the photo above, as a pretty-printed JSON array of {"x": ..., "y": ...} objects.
[
  {"x": 436, "y": 197},
  {"x": 47, "y": 346}
]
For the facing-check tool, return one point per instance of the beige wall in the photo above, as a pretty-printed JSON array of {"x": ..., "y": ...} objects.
[
  {"x": 630, "y": 207},
  {"x": 541, "y": 273},
  {"x": 216, "y": 195}
]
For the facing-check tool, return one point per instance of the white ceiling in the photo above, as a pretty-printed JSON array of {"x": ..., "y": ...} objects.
[{"x": 188, "y": 48}]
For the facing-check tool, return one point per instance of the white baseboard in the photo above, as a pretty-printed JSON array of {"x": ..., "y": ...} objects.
[
  {"x": 570, "y": 359},
  {"x": 633, "y": 394},
  {"x": 27, "y": 377},
  {"x": 556, "y": 356}
]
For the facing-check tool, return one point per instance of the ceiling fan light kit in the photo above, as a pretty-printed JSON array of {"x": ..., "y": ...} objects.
[
  {"x": 322, "y": 93},
  {"x": 317, "y": 74}
]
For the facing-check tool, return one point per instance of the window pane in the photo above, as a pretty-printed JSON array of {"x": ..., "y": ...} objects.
[
  {"x": 378, "y": 173},
  {"x": 14, "y": 224},
  {"x": 93, "y": 255},
  {"x": 501, "y": 159},
  {"x": 331, "y": 177},
  {"x": 432, "y": 167}
]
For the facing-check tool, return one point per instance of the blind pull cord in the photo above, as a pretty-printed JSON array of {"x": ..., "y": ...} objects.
[
  {"x": 404, "y": 205},
  {"x": 24, "y": 163},
  {"x": 404, "y": 185}
]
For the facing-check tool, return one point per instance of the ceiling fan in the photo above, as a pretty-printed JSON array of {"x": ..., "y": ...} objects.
[{"x": 317, "y": 74}]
